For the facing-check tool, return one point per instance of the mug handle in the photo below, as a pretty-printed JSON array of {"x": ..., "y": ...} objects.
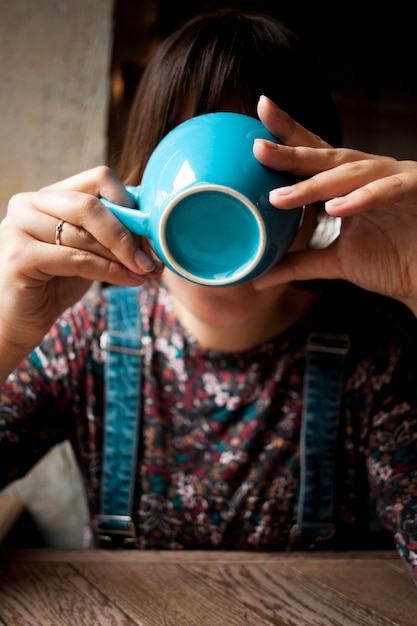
[{"x": 135, "y": 219}]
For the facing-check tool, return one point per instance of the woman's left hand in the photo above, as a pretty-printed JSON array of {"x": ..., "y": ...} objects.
[{"x": 375, "y": 197}]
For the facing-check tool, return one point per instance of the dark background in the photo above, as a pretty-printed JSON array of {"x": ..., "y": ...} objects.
[{"x": 367, "y": 51}]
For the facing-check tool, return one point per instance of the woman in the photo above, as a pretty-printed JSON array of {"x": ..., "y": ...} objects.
[{"x": 221, "y": 461}]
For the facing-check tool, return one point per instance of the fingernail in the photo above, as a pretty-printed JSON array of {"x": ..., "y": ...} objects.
[
  {"x": 143, "y": 261},
  {"x": 335, "y": 203},
  {"x": 266, "y": 143},
  {"x": 264, "y": 98},
  {"x": 275, "y": 194}
]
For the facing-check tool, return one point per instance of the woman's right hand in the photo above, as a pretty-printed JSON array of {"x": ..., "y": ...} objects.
[{"x": 40, "y": 279}]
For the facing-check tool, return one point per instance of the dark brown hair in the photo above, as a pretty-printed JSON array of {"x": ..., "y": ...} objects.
[{"x": 213, "y": 57}]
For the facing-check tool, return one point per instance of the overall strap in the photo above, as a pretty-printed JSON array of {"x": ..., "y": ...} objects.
[
  {"x": 123, "y": 392},
  {"x": 318, "y": 439}
]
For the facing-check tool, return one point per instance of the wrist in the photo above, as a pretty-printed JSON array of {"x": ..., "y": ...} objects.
[{"x": 11, "y": 353}]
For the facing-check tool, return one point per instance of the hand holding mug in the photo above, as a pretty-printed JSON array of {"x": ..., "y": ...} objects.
[
  {"x": 374, "y": 196},
  {"x": 204, "y": 203},
  {"x": 38, "y": 278}
]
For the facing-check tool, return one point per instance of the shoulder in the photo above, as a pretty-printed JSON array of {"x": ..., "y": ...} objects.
[
  {"x": 343, "y": 307},
  {"x": 382, "y": 332}
]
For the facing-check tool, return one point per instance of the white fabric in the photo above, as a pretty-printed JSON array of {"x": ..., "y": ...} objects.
[{"x": 54, "y": 495}]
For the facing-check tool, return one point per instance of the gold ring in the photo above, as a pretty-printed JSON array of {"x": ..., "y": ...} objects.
[{"x": 58, "y": 230}]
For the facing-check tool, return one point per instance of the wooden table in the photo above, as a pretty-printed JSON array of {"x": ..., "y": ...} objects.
[{"x": 56, "y": 588}]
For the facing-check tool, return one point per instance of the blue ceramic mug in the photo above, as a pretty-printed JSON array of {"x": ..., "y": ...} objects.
[{"x": 203, "y": 202}]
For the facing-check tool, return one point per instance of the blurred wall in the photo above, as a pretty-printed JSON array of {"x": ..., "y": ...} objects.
[{"x": 54, "y": 96}]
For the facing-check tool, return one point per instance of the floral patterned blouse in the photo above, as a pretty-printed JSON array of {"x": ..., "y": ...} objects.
[{"x": 219, "y": 457}]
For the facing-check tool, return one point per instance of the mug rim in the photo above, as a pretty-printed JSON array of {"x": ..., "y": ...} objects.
[{"x": 199, "y": 188}]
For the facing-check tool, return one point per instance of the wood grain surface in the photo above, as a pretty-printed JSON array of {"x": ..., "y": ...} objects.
[{"x": 47, "y": 587}]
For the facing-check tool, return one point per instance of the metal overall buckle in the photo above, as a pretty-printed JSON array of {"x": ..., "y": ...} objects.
[
  {"x": 311, "y": 536},
  {"x": 115, "y": 531}
]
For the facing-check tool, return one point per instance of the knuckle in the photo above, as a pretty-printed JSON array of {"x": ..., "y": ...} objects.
[
  {"x": 353, "y": 169},
  {"x": 81, "y": 259},
  {"x": 16, "y": 201},
  {"x": 397, "y": 182},
  {"x": 88, "y": 206},
  {"x": 314, "y": 186},
  {"x": 408, "y": 165},
  {"x": 104, "y": 174},
  {"x": 85, "y": 236},
  {"x": 124, "y": 236},
  {"x": 369, "y": 198}
]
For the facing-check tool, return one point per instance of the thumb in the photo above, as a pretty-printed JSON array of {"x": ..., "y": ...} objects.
[{"x": 304, "y": 265}]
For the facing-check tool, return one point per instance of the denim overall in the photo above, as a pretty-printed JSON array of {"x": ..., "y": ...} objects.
[{"x": 322, "y": 392}]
